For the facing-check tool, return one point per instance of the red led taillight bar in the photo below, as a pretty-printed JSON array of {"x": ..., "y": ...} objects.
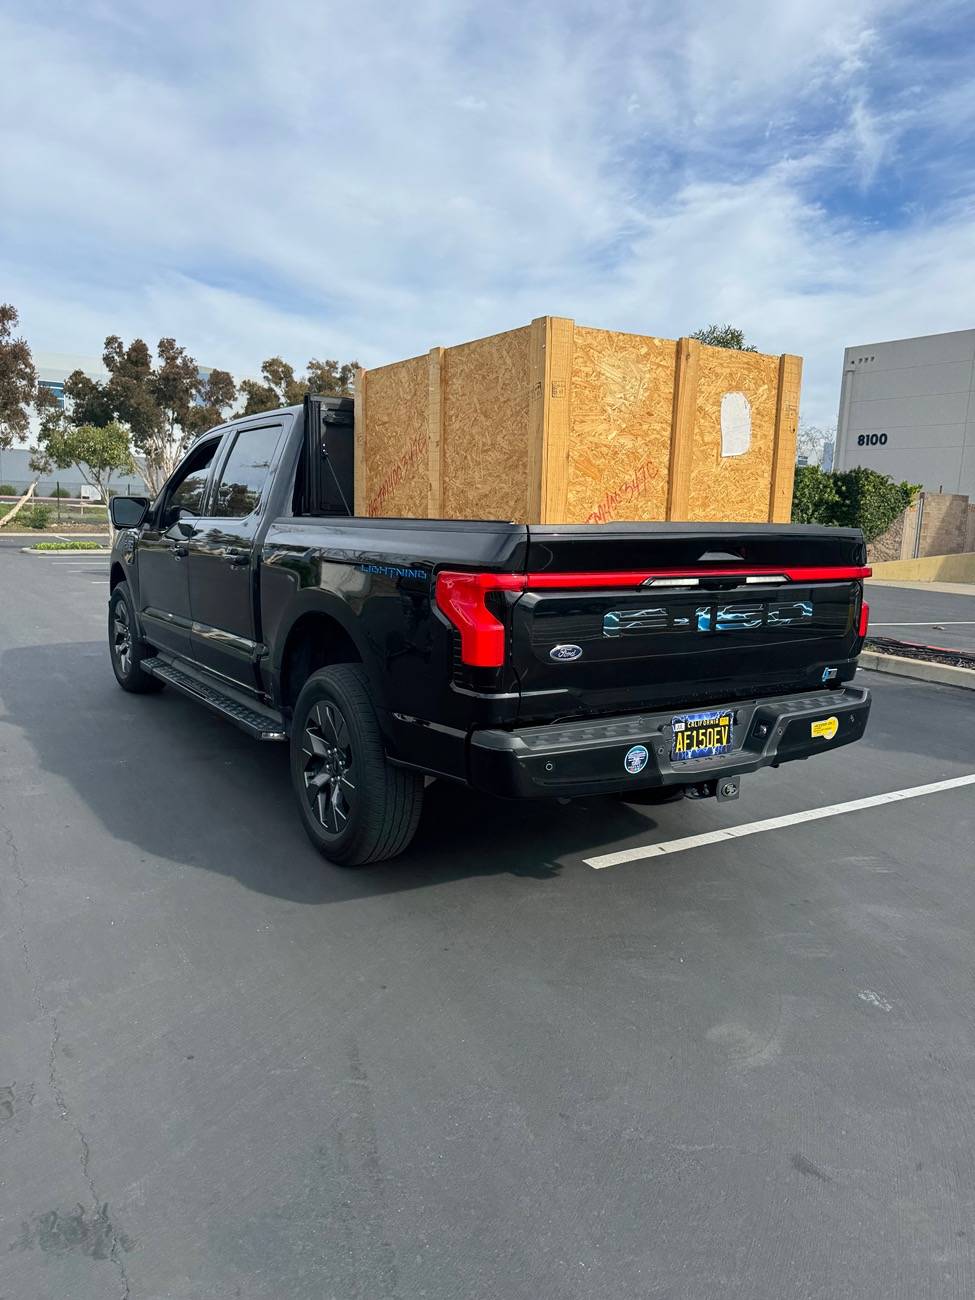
[{"x": 462, "y": 597}]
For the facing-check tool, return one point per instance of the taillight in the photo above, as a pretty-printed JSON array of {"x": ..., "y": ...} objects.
[
  {"x": 864, "y": 617},
  {"x": 462, "y": 597}
]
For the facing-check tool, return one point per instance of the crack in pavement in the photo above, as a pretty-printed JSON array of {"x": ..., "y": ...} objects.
[{"x": 57, "y": 1092}]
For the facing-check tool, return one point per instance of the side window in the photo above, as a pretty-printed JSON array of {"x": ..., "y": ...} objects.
[
  {"x": 245, "y": 473},
  {"x": 188, "y": 488}
]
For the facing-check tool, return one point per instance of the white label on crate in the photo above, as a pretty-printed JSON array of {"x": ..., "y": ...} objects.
[{"x": 736, "y": 424}]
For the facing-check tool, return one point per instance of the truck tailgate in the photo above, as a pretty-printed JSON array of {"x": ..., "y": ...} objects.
[{"x": 646, "y": 615}]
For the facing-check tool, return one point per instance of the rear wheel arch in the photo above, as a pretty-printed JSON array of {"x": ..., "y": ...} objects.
[{"x": 315, "y": 640}]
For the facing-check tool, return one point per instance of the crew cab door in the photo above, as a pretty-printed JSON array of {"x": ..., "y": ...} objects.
[
  {"x": 162, "y": 551},
  {"x": 223, "y": 555}
]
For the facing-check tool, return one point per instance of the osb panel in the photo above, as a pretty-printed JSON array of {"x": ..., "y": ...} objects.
[
  {"x": 485, "y": 428},
  {"x": 397, "y": 439},
  {"x": 619, "y": 427},
  {"x": 734, "y": 488}
]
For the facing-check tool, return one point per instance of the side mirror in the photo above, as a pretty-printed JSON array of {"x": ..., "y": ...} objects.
[{"x": 128, "y": 512}]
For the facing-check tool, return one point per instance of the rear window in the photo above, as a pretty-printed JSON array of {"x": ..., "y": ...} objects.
[{"x": 245, "y": 473}]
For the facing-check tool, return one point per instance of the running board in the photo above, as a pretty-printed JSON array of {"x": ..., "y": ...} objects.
[{"x": 259, "y": 723}]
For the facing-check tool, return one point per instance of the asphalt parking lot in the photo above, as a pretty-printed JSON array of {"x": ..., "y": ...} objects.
[
  {"x": 927, "y": 617},
  {"x": 742, "y": 1069}
]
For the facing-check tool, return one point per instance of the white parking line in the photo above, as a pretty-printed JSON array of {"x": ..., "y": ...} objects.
[{"x": 773, "y": 823}]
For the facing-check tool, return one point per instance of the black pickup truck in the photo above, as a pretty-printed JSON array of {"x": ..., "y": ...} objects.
[{"x": 524, "y": 661}]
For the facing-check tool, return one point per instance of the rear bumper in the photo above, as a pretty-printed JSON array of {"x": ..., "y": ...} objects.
[{"x": 581, "y": 758}]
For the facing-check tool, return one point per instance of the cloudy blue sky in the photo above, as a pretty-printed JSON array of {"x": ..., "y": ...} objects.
[{"x": 367, "y": 180}]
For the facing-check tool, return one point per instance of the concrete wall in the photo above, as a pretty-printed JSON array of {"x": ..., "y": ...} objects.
[
  {"x": 888, "y": 546},
  {"x": 907, "y": 408},
  {"x": 937, "y": 524},
  {"x": 944, "y": 524},
  {"x": 932, "y": 568}
]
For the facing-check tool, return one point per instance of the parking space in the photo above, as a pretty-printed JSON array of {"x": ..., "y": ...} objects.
[
  {"x": 15, "y": 541},
  {"x": 82, "y": 565},
  {"x": 745, "y": 1068},
  {"x": 927, "y": 617}
]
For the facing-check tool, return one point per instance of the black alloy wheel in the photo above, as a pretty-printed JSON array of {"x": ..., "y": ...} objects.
[
  {"x": 127, "y": 650},
  {"x": 355, "y": 805},
  {"x": 122, "y": 637},
  {"x": 329, "y": 770}
]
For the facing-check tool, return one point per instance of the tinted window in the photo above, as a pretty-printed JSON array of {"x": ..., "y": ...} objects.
[
  {"x": 188, "y": 491},
  {"x": 245, "y": 473}
]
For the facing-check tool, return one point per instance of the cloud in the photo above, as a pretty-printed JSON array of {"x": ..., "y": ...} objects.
[
  {"x": 368, "y": 180},
  {"x": 869, "y": 139}
]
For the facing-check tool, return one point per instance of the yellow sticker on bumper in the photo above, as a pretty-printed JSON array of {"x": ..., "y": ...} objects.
[{"x": 826, "y": 728}]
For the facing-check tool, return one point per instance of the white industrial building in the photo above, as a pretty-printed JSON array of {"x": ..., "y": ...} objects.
[
  {"x": 53, "y": 369},
  {"x": 907, "y": 408}
]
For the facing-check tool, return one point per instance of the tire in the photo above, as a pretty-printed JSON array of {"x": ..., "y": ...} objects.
[
  {"x": 125, "y": 647},
  {"x": 355, "y": 805}
]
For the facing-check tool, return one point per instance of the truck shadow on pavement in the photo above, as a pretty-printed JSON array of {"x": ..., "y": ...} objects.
[{"x": 170, "y": 779}]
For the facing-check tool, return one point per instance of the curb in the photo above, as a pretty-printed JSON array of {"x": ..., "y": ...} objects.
[
  {"x": 66, "y": 550},
  {"x": 898, "y": 666}
]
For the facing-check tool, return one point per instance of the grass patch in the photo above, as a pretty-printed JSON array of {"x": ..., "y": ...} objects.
[
  {"x": 69, "y": 514},
  {"x": 67, "y": 546}
]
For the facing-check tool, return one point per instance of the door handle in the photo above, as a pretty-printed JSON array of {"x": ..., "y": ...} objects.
[
  {"x": 180, "y": 550},
  {"x": 235, "y": 556}
]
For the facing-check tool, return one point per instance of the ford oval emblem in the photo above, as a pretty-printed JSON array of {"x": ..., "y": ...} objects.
[{"x": 563, "y": 653}]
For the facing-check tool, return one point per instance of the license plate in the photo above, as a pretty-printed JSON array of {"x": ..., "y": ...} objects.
[{"x": 701, "y": 735}]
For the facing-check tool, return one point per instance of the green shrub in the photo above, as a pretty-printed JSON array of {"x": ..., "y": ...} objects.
[
  {"x": 36, "y": 516},
  {"x": 854, "y": 498},
  {"x": 7, "y": 490},
  {"x": 60, "y": 492},
  {"x": 813, "y": 496},
  {"x": 67, "y": 546},
  {"x": 871, "y": 501}
]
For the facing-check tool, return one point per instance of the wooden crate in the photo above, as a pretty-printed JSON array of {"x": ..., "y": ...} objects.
[{"x": 559, "y": 423}]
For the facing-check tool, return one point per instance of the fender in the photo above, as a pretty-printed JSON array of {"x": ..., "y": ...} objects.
[
  {"x": 316, "y": 600},
  {"x": 125, "y": 564}
]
